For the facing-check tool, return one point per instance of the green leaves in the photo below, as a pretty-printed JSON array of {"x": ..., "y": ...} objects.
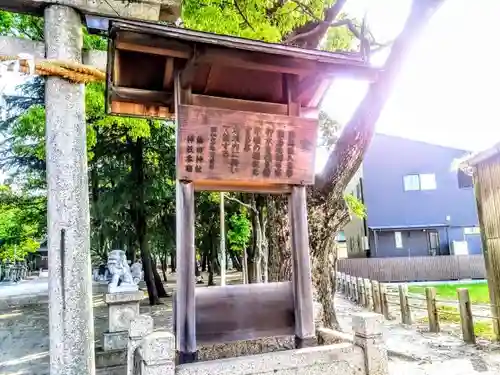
[
  {"x": 239, "y": 232},
  {"x": 20, "y": 216},
  {"x": 356, "y": 207}
]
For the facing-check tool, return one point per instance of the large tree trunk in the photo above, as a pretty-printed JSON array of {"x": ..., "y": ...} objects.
[
  {"x": 140, "y": 221},
  {"x": 236, "y": 260},
  {"x": 94, "y": 184},
  {"x": 172, "y": 262},
  {"x": 279, "y": 245},
  {"x": 327, "y": 210},
  {"x": 162, "y": 293},
  {"x": 164, "y": 265}
]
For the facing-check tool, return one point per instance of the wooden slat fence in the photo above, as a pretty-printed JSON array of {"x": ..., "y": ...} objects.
[{"x": 446, "y": 267}]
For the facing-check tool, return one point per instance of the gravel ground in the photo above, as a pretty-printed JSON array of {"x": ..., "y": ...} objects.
[
  {"x": 24, "y": 342},
  {"x": 24, "y": 334},
  {"x": 414, "y": 350}
]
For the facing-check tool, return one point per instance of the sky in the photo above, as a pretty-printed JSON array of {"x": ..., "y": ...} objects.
[{"x": 448, "y": 89}]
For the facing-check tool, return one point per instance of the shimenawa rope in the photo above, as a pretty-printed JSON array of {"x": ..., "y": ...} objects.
[{"x": 74, "y": 72}]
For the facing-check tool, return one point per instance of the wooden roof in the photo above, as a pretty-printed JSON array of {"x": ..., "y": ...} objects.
[
  {"x": 481, "y": 157},
  {"x": 144, "y": 56}
]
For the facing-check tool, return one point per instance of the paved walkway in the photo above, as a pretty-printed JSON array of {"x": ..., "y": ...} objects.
[{"x": 25, "y": 287}]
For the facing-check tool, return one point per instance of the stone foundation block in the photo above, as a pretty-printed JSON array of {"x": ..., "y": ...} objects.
[
  {"x": 115, "y": 340},
  {"x": 122, "y": 309}
]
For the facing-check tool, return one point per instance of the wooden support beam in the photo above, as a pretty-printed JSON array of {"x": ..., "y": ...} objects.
[
  {"x": 187, "y": 75},
  {"x": 168, "y": 75},
  {"x": 302, "y": 278},
  {"x": 151, "y": 97},
  {"x": 185, "y": 313},
  {"x": 301, "y": 273},
  {"x": 240, "y": 105},
  {"x": 251, "y": 60},
  {"x": 185, "y": 305}
]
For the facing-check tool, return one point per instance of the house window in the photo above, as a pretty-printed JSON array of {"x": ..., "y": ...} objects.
[
  {"x": 411, "y": 182},
  {"x": 425, "y": 181},
  {"x": 472, "y": 230},
  {"x": 358, "y": 191},
  {"x": 398, "y": 239},
  {"x": 340, "y": 237}
]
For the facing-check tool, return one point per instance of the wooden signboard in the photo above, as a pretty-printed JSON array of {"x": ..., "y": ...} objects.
[{"x": 234, "y": 148}]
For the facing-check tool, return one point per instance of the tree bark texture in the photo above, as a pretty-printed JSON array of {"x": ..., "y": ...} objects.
[
  {"x": 279, "y": 245},
  {"x": 327, "y": 210},
  {"x": 140, "y": 220}
]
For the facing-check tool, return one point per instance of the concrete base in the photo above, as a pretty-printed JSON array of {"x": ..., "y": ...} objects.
[
  {"x": 122, "y": 309},
  {"x": 104, "y": 359},
  {"x": 115, "y": 340},
  {"x": 112, "y": 370},
  {"x": 244, "y": 348}
]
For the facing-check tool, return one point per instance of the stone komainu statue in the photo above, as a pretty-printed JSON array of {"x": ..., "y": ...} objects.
[{"x": 121, "y": 276}]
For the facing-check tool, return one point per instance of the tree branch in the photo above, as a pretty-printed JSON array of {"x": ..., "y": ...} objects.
[
  {"x": 307, "y": 9},
  {"x": 345, "y": 159},
  {"x": 312, "y": 32},
  {"x": 242, "y": 15},
  {"x": 250, "y": 207}
]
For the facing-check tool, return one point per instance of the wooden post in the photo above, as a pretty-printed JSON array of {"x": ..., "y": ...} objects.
[
  {"x": 339, "y": 282},
  {"x": 185, "y": 309},
  {"x": 361, "y": 291},
  {"x": 185, "y": 296},
  {"x": 347, "y": 287},
  {"x": 384, "y": 301},
  {"x": 222, "y": 242},
  {"x": 466, "y": 319},
  {"x": 302, "y": 278},
  {"x": 354, "y": 289},
  {"x": 486, "y": 175},
  {"x": 432, "y": 312},
  {"x": 377, "y": 304},
  {"x": 405, "y": 306},
  {"x": 71, "y": 322},
  {"x": 368, "y": 294}
]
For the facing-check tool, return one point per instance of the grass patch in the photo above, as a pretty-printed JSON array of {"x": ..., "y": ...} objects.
[
  {"x": 484, "y": 330},
  {"x": 451, "y": 314},
  {"x": 478, "y": 292}
]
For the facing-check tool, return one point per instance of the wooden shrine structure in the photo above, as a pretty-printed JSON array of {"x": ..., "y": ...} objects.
[{"x": 247, "y": 116}]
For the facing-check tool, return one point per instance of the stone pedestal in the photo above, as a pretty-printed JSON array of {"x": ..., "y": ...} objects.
[
  {"x": 367, "y": 329},
  {"x": 123, "y": 307}
]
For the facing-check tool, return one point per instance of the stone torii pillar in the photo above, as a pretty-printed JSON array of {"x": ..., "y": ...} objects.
[{"x": 70, "y": 284}]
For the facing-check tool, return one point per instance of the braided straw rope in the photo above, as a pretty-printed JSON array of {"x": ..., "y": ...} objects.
[{"x": 74, "y": 72}]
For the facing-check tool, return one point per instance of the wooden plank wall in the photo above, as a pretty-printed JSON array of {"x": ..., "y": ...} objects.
[
  {"x": 416, "y": 268},
  {"x": 244, "y": 312},
  {"x": 487, "y": 192}
]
